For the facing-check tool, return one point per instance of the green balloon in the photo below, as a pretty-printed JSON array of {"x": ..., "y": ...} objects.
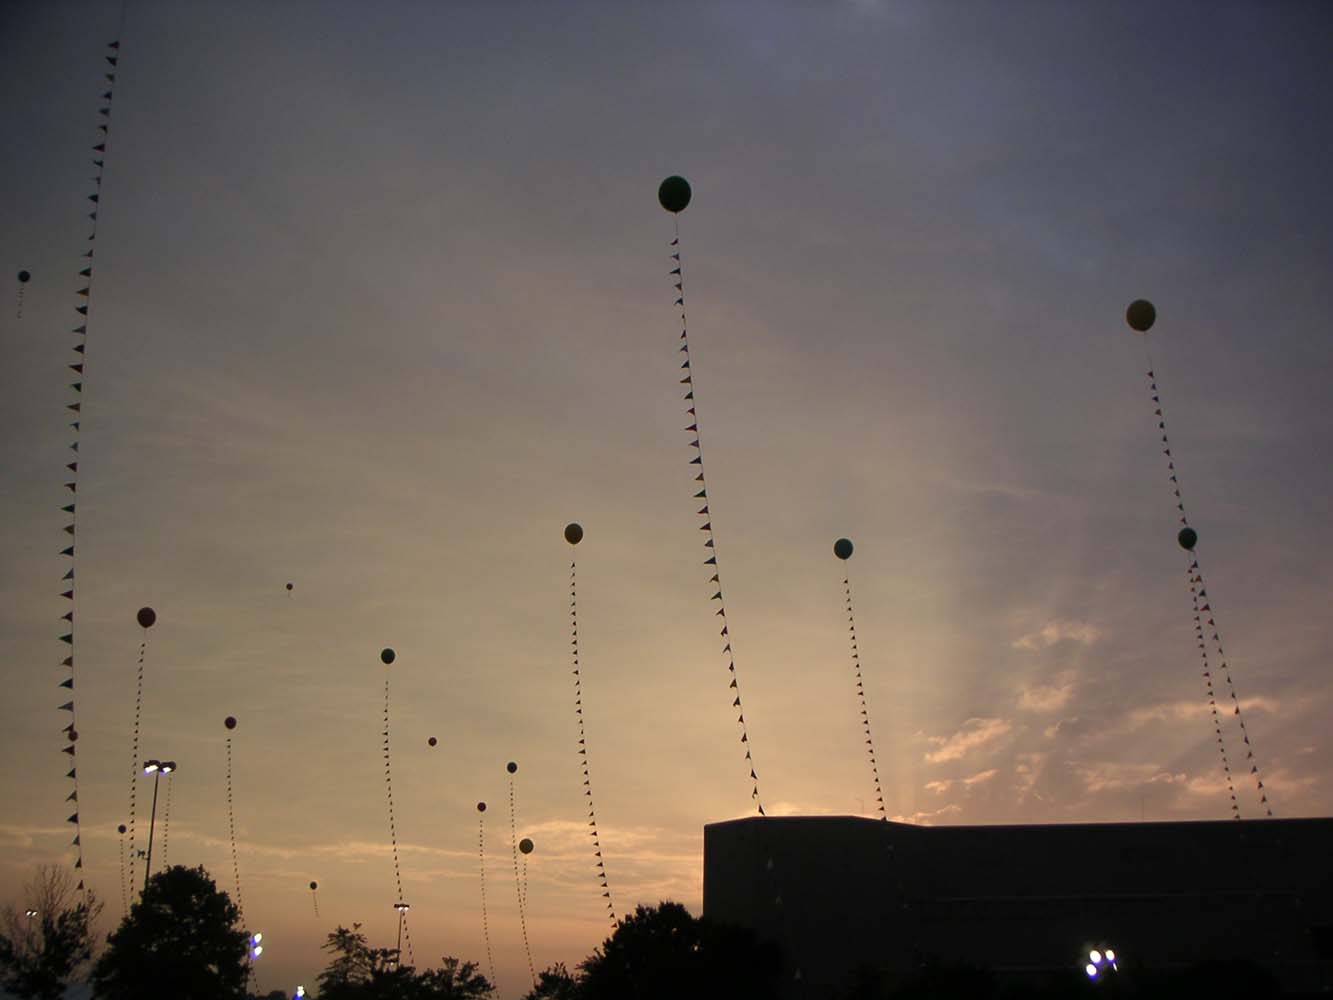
[
  {"x": 573, "y": 533},
  {"x": 1141, "y": 315},
  {"x": 1188, "y": 538},
  {"x": 842, "y": 548},
  {"x": 674, "y": 193},
  {"x": 387, "y": 656}
]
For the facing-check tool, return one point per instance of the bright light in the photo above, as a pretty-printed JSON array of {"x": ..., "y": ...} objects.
[
  {"x": 401, "y": 907},
  {"x": 300, "y": 992},
  {"x": 259, "y": 950},
  {"x": 1095, "y": 957},
  {"x": 257, "y": 938},
  {"x": 1110, "y": 955},
  {"x": 1091, "y": 971},
  {"x": 168, "y": 766},
  {"x": 30, "y": 913},
  {"x": 149, "y": 766}
]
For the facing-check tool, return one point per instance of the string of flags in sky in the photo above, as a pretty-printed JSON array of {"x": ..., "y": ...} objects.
[
  {"x": 481, "y": 863},
  {"x": 515, "y": 846},
  {"x": 1141, "y": 315},
  {"x": 230, "y": 723},
  {"x": 1212, "y": 698},
  {"x": 75, "y": 406},
  {"x": 387, "y": 656},
  {"x": 146, "y": 617},
  {"x": 842, "y": 548},
  {"x": 573, "y": 535},
  {"x": 674, "y": 196}
]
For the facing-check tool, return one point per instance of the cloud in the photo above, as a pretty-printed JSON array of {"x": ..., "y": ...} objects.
[
  {"x": 1104, "y": 776},
  {"x": 943, "y": 785},
  {"x": 1182, "y": 711},
  {"x": 1047, "y": 697},
  {"x": 1059, "y": 631},
  {"x": 925, "y": 818},
  {"x": 976, "y": 733}
]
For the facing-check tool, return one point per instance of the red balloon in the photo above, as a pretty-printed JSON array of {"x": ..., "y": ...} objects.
[{"x": 230, "y": 722}]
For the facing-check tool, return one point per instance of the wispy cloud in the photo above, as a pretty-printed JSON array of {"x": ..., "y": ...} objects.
[
  {"x": 1181, "y": 711},
  {"x": 943, "y": 785},
  {"x": 1057, "y": 631},
  {"x": 1047, "y": 697},
  {"x": 976, "y": 733}
]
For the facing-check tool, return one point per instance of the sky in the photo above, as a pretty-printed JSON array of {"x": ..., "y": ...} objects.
[{"x": 381, "y": 302}]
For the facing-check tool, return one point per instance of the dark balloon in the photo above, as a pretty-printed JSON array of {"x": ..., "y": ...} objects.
[
  {"x": 842, "y": 548},
  {"x": 146, "y": 617},
  {"x": 1188, "y": 538},
  {"x": 121, "y": 828},
  {"x": 481, "y": 807},
  {"x": 674, "y": 194},
  {"x": 511, "y": 767},
  {"x": 432, "y": 741},
  {"x": 525, "y": 846},
  {"x": 24, "y": 276},
  {"x": 1141, "y": 315},
  {"x": 289, "y": 586},
  {"x": 230, "y": 722},
  {"x": 314, "y": 886},
  {"x": 573, "y": 533},
  {"x": 387, "y": 656}
]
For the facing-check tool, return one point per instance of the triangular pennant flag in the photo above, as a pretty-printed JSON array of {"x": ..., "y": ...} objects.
[{"x": 68, "y": 683}]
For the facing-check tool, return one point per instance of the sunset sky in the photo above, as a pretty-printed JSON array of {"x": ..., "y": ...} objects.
[{"x": 382, "y": 302}]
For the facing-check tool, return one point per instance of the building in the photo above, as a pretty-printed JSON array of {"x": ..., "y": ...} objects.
[{"x": 840, "y": 892}]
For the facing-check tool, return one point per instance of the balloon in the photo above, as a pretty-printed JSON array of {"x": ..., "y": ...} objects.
[
  {"x": 314, "y": 886},
  {"x": 432, "y": 741},
  {"x": 23, "y": 277},
  {"x": 289, "y": 586},
  {"x": 121, "y": 828},
  {"x": 573, "y": 532},
  {"x": 511, "y": 767},
  {"x": 525, "y": 846},
  {"x": 230, "y": 722},
  {"x": 387, "y": 656},
  {"x": 842, "y": 548},
  {"x": 481, "y": 807},
  {"x": 1141, "y": 315},
  {"x": 1188, "y": 538},
  {"x": 674, "y": 194},
  {"x": 146, "y": 617}
]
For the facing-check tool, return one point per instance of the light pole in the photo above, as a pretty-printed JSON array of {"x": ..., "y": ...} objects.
[
  {"x": 402, "y": 909},
  {"x": 156, "y": 768}
]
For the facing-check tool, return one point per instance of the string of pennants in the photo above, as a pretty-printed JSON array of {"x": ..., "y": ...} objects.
[
  {"x": 1203, "y": 611},
  {"x": 861, "y": 694},
  {"x": 130, "y": 854},
  {"x": 75, "y": 407},
  {"x": 231, "y": 828},
  {"x": 1212, "y": 697},
  {"x": 583, "y": 740},
  {"x": 481, "y": 862},
  {"x": 710, "y": 539},
  {"x": 166, "y": 823},
  {"x": 388, "y": 656},
  {"x": 512, "y": 769}
]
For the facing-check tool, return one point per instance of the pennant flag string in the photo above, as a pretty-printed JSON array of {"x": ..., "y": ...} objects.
[
  {"x": 1212, "y": 699},
  {"x": 231, "y": 825},
  {"x": 842, "y": 548},
  {"x": 481, "y": 863},
  {"x": 674, "y": 196},
  {"x": 146, "y": 617},
  {"x": 573, "y": 533},
  {"x": 1141, "y": 315},
  {"x": 314, "y": 897},
  {"x": 387, "y": 656},
  {"x": 166, "y": 822},
  {"x": 124, "y": 877},
  {"x": 512, "y": 768}
]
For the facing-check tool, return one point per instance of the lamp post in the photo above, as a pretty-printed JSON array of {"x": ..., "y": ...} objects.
[
  {"x": 402, "y": 909},
  {"x": 156, "y": 768}
]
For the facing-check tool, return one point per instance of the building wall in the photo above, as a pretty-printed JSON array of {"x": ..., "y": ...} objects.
[{"x": 839, "y": 892}]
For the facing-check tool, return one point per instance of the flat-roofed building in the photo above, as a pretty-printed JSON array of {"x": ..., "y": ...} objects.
[{"x": 840, "y": 892}]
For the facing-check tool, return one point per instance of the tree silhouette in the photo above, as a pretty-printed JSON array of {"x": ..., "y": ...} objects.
[
  {"x": 181, "y": 939},
  {"x": 48, "y": 937},
  {"x": 360, "y": 972},
  {"x": 555, "y": 983},
  {"x": 663, "y": 953}
]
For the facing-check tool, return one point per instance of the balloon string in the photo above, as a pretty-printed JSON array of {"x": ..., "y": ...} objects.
[
  {"x": 124, "y": 880},
  {"x": 231, "y": 827},
  {"x": 600, "y": 864},
  {"x": 314, "y": 898},
  {"x": 166, "y": 823},
  {"x": 518, "y": 884},
  {"x": 134, "y": 752},
  {"x": 1196, "y": 580},
  {"x": 710, "y": 542},
  {"x": 393, "y": 827},
  {"x": 1212, "y": 697},
  {"x": 485, "y": 922},
  {"x": 861, "y": 692}
]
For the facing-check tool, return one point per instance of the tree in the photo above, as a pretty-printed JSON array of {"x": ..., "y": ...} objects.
[
  {"x": 454, "y": 980},
  {"x": 555, "y": 983},
  {"x": 663, "y": 953},
  {"x": 44, "y": 944},
  {"x": 181, "y": 939}
]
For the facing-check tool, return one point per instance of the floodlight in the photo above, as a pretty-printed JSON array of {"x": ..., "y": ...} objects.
[
  {"x": 1095, "y": 957},
  {"x": 1091, "y": 971}
]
